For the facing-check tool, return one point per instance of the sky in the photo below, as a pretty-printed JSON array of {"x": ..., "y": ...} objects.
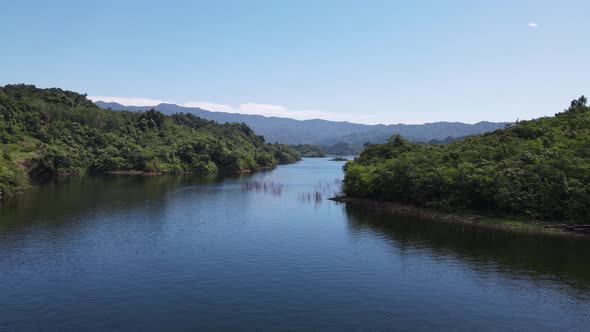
[{"x": 359, "y": 61}]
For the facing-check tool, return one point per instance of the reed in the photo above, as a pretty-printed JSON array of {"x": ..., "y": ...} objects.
[
  {"x": 323, "y": 190},
  {"x": 271, "y": 187}
]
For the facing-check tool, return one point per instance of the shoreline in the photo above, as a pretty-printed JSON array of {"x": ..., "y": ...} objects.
[
  {"x": 22, "y": 191},
  {"x": 474, "y": 219}
]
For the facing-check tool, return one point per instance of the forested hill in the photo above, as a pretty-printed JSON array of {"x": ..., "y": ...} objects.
[
  {"x": 323, "y": 132},
  {"x": 539, "y": 169},
  {"x": 52, "y": 131}
]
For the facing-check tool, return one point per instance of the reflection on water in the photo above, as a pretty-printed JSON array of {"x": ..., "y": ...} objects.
[
  {"x": 246, "y": 252},
  {"x": 69, "y": 196},
  {"x": 323, "y": 190},
  {"x": 538, "y": 256},
  {"x": 264, "y": 186}
]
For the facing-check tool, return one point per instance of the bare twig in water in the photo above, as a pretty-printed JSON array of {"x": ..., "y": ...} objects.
[
  {"x": 271, "y": 187},
  {"x": 322, "y": 190}
]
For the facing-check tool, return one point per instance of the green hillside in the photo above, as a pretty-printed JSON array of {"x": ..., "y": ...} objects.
[
  {"x": 51, "y": 132},
  {"x": 539, "y": 169}
]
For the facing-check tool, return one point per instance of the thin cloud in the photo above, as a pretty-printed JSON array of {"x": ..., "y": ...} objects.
[
  {"x": 533, "y": 25},
  {"x": 127, "y": 101},
  {"x": 246, "y": 108},
  {"x": 262, "y": 109}
]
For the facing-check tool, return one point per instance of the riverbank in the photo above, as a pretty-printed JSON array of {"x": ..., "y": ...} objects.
[
  {"x": 474, "y": 219},
  {"x": 156, "y": 173},
  {"x": 9, "y": 194}
]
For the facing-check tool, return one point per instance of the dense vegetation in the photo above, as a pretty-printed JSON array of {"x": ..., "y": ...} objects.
[
  {"x": 343, "y": 149},
  {"x": 539, "y": 169},
  {"x": 309, "y": 150},
  {"x": 51, "y": 131},
  {"x": 318, "y": 151},
  {"x": 447, "y": 140}
]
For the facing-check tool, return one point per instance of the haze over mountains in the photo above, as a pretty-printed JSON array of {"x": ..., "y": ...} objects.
[{"x": 324, "y": 132}]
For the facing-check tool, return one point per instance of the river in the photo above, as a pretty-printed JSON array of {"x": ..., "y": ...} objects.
[{"x": 269, "y": 251}]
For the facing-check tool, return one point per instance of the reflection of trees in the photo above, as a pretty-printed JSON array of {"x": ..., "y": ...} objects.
[
  {"x": 75, "y": 198},
  {"x": 514, "y": 254}
]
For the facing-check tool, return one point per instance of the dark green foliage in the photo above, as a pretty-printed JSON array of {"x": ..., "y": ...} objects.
[
  {"x": 538, "y": 168},
  {"x": 447, "y": 140},
  {"x": 12, "y": 177},
  {"x": 343, "y": 149},
  {"x": 51, "y": 131},
  {"x": 338, "y": 159},
  {"x": 318, "y": 151},
  {"x": 309, "y": 150}
]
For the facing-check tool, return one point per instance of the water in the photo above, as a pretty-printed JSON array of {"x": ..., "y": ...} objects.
[{"x": 183, "y": 253}]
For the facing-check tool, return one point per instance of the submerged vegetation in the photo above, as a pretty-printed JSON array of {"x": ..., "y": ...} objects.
[
  {"x": 322, "y": 190},
  {"x": 271, "y": 187},
  {"x": 52, "y": 132},
  {"x": 539, "y": 169}
]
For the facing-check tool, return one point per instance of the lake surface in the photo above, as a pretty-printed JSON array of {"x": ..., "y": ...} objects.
[{"x": 261, "y": 251}]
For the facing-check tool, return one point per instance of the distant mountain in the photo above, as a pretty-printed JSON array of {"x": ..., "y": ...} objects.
[{"x": 325, "y": 132}]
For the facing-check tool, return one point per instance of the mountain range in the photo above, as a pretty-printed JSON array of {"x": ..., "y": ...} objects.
[{"x": 325, "y": 132}]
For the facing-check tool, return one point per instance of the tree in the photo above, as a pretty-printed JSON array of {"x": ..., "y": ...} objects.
[
  {"x": 52, "y": 131},
  {"x": 537, "y": 168}
]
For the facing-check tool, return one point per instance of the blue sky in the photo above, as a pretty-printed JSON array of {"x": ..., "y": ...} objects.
[{"x": 360, "y": 61}]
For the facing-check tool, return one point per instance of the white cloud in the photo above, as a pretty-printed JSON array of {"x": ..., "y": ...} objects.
[
  {"x": 247, "y": 108},
  {"x": 127, "y": 101},
  {"x": 260, "y": 109},
  {"x": 533, "y": 25}
]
